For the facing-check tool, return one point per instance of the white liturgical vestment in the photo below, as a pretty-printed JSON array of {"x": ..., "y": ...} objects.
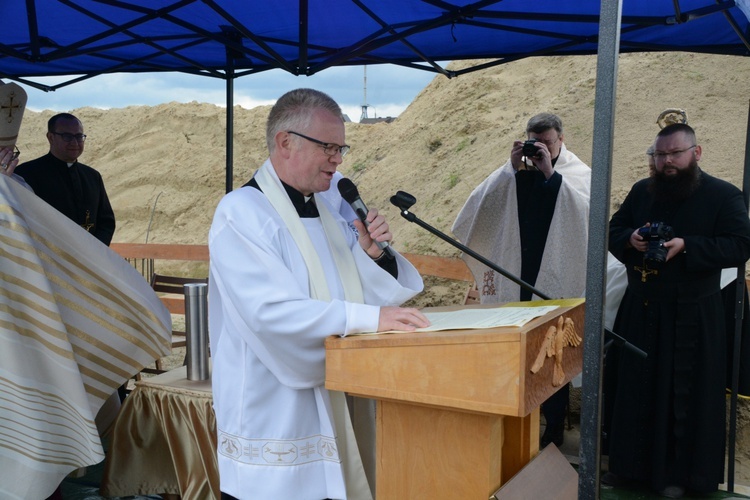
[
  {"x": 488, "y": 224},
  {"x": 76, "y": 321},
  {"x": 275, "y": 425}
]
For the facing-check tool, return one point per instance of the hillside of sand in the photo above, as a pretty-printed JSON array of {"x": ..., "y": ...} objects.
[
  {"x": 164, "y": 166},
  {"x": 452, "y": 136}
]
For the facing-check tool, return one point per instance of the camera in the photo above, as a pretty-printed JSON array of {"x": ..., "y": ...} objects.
[
  {"x": 656, "y": 235},
  {"x": 530, "y": 149}
]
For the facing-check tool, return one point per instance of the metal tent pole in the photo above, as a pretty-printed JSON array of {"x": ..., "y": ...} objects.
[
  {"x": 230, "y": 127},
  {"x": 738, "y": 330},
  {"x": 232, "y": 53},
  {"x": 596, "y": 273}
]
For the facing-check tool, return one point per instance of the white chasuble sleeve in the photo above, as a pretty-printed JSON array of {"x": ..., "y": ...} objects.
[
  {"x": 76, "y": 321},
  {"x": 488, "y": 224},
  {"x": 379, "y": 285}
]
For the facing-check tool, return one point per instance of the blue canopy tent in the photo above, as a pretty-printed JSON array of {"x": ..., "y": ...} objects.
[
  {"x": 227, "y": 39},
  {"x": 303, "y": 37}
]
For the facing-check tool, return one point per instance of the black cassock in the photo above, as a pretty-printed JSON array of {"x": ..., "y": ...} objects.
[
  {"x": 76, "y": 191},
  {"x": 537, "y": 197},
  {"x": 667, "y": 413}
]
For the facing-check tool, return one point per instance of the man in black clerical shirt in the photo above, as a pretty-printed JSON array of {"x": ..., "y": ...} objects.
[
  {"x": 530, "y": 217},
  {"x": 674, "y": 232},
  {"x": 74, "y": 189}
]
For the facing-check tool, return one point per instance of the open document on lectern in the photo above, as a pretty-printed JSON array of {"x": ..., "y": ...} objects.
[{"x": 468, "y": 319}]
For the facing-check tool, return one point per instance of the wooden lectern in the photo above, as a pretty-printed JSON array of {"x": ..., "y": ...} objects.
[{"x": 458, "y": 410}]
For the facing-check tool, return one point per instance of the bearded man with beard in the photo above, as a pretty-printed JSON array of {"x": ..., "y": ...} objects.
[{"x": 668, "y": 418}]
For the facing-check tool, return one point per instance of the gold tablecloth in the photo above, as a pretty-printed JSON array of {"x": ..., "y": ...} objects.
[{"x": 164, "y": 440}]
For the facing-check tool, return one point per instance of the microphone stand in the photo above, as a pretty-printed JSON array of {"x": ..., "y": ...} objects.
[{"x": 404, "y": 202}]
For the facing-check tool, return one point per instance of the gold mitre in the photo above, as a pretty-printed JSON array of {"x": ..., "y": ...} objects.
[
  {"x": 12, "y": 105},
  {"x": 671, "y": 116}
]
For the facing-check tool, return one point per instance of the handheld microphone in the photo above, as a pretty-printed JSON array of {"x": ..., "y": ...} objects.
[{"x": 350, "y": 194}]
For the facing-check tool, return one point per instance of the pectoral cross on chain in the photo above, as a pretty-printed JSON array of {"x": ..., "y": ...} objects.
[
  {"x": 88, "y": 224},
  {"x": 645, "y": 272}
]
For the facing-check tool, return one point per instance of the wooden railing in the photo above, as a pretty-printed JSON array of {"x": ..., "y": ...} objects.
[
  {"x": 443, "y": 267},
  {"x": 161, "y": 251},
  {"x": 144, "y": 255}
]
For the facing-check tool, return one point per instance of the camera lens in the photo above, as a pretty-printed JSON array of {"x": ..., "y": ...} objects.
[
  {"x": 656, "y": 235},
  {"x": 530, "y": 149}
]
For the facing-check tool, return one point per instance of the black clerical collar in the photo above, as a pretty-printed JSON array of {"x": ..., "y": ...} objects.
[
  {"x": 305, "y": 209},
  {"x": 57, "y": 160}
]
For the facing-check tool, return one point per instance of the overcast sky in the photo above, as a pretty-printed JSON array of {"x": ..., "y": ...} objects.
[{"x": 390, "y": 89}]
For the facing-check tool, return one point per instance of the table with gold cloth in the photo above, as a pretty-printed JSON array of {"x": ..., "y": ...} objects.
[{"x": 164, "y": 440}]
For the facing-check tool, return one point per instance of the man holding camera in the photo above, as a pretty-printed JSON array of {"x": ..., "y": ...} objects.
[
  {"x": 530, "y": 217},
  {"x": 674, "y": 232}
]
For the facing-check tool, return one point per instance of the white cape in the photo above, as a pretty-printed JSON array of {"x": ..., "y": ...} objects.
[
  {"x": 76, "y": 321},
  {"x": 488, "y": 224}
]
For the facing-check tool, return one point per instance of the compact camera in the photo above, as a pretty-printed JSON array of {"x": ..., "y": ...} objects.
[
  {"x": 656, "y": 235},
  {"x": 530, "y": 149}
]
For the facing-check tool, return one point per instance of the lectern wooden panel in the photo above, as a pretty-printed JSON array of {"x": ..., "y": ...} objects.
[{"x": 458, "y": 410}]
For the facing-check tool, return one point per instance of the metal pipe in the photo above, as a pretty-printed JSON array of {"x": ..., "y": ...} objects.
[
  {"x": 196, "y": 329},
  {"x": 739, "y": 308},
  {"x": 604, "y": 117}
]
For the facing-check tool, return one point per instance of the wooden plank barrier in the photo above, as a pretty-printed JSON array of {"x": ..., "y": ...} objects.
[
  {"x": 442, "y": 267},
  {"x": 427, "y": 265},
  {"x": 159, "y": 251}
]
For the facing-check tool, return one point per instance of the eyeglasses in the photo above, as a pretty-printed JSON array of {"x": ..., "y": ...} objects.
[
  {"x": 328, "y": 148},
  {"x": 673, "y": 154},
  {"x": 69, "y": 137}
]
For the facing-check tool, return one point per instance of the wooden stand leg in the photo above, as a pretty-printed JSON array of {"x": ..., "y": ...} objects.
[
  {"x": 425, "y": 452},
  {"x": 521, "y": 443}
]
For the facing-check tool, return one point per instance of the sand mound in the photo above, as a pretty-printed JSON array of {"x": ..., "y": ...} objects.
[{"x": 450, "y": 138}]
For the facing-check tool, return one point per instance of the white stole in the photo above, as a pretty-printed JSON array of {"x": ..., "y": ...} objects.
[{"x": 354, "y": 474}]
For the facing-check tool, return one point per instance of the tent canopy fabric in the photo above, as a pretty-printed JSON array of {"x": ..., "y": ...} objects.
[{"x": 230, "y": 38}]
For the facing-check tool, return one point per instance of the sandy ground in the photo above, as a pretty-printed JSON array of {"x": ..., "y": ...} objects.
[{"x": 164, "y": 166}]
